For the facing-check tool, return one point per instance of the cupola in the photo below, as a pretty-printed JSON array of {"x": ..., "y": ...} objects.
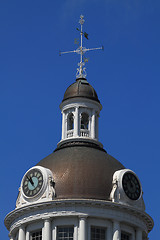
[{"x": 80, "y": 110}]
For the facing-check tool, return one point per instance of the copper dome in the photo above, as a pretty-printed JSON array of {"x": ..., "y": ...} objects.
[
  {"x": 81, "y": 88},
  {"x": 82, "y": 171}
]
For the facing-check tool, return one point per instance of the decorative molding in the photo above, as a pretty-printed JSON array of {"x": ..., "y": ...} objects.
[
  {"x": 46, "y": 194},
  {"x": 80, "y": 102},
  {"x": 52, "y": 209},
  {"x": 118, "y": 195}
]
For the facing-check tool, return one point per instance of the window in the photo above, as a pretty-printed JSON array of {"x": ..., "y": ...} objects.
[
  {"x": 125, "y": 236},
  {"x": 36, "y": 235},
  {"x": 84, "y": 120},
  {"x": 70, "y": 121},
  {"x": 65, "y": 233},
  {"x": 97, "y": 233}
]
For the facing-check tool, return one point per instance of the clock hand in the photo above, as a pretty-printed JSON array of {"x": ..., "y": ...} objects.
[{"x": 30, "y": 180}]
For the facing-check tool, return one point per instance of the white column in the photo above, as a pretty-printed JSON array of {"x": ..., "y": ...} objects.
[
  {"x": 27, "y": 235},
  {"x": 97, "y": 125},
  {"x": 82, "y": 228},
  {"x": 138, "y": 234},
  {"x": 116, "y": 231},
  {"x": 63, "y": 116},
  {"x": 47, "y": 229},
  {"x": 75, "y": 233},
  {"x": 65, "y": 125},
  {"x": 76, "y": 123},
  {"x": 93, "y": 123},
  {"x": 21, "y": 235},
  {"x": 133, "y": 236},
  {"x": 54, "y": 232},
  {"x": 109, "y": 233}
]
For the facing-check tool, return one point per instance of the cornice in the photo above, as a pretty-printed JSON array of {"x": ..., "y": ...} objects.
[{"x": 20, "y": 212}]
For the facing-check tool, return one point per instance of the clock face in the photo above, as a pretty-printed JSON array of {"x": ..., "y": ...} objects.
[
  {"x": 32, "y": 182},
  {"x": 131, "y": 186}
]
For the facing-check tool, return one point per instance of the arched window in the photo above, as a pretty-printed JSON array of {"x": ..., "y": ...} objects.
[
  {"x": 70, "y": 121},
  {"x": 84, "y": 120}
]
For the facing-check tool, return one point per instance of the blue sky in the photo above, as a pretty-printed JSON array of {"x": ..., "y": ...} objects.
[{"x": 33, "y": 79}]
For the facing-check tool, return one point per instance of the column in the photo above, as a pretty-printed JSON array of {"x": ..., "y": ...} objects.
[
  {"x": 47, "y": 229},
  {"x": 116, "y": 231},
  {"x": 133, "y": 236},
  {"x": 21, "y": 234},
  {"x": 54, "y": 232},
  {"x": 138, "y": 234},
  {"x": 65, "y": 125},
  {"x": 97, "y": 126},
  {"x": 27, "y": 235},
  {"x": 76, "y": 123},
  {"x": 109, "y": 232},
  {"x": 93, "y": 127},
  {"x": 75, "y": 233},
  {"x": 82, "y": 228},
  {"x": 63, "y": 118}
]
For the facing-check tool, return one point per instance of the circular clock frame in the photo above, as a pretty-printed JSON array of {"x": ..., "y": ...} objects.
[
  {"x": 32, "y": 182},
  {"x": 131, "y": 185}
]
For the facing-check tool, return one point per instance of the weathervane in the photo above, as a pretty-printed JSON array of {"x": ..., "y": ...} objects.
[{"x": 81, "y": 70}]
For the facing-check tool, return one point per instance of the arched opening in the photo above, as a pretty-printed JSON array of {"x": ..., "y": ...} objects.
[
  {"x": 84, "y": 121},
  {"x": 70, "y": 122}
]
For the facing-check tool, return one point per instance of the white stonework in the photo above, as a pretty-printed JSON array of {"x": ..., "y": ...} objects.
[
  {"x": 47, "y": 192},
  {"x": 118, "y": 195},
  {"x": 78, "y": 106},
  {"x": 82, "y": 214}
]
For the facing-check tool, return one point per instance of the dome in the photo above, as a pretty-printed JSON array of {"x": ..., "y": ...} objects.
[
  {"x": 82, "y": 171},
  {"x": 81, "y": 88}
]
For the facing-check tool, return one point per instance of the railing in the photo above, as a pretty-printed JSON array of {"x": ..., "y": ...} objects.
[
  {"x": 70, "y": 133},
  {"x": 84, "y": 133}
]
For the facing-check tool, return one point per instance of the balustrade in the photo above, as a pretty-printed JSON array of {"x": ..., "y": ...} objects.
[
  {"x": 84, "y": 133},
  {"x": 69, "y": 133}
]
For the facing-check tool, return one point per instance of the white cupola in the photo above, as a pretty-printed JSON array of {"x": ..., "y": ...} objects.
[{"x": 80, "y": 110}]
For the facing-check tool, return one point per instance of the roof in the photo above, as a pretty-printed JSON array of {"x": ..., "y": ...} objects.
[
  {"x": 82, "y": 171},
  {"x": 80, "y": 88}
]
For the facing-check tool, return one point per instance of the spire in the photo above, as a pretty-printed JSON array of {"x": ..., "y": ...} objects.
[{"x": 81, "y": 70}]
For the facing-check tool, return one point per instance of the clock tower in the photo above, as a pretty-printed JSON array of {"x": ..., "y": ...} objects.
[{"x": 79, "y": 192}]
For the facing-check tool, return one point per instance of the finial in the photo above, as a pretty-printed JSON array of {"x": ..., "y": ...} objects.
[{"x": 81, "y": 70}]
